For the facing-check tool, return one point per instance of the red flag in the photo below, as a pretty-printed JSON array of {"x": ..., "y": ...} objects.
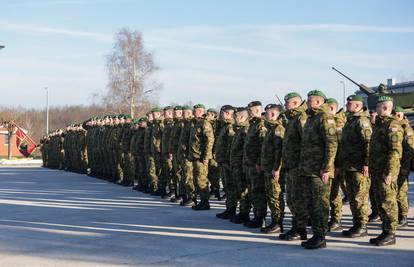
[{"x": 24, "y": 143}]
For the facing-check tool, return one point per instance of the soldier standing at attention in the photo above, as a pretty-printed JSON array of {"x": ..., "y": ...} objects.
[
  {"x": 149, "y": 159},
  {"x": 200, "y": 153},
  {"x": 173, "y": 151},
  {"x": 317, "y": 157},
  {"x": 271, "y": 163},
  {"x": 166, "y": 155},
  {"x": 408, "y": 148},
  {"x": 356, "y": 136},
  {"x": 374, "y": 216},
  {"x": 296, "y": 115},
  {"x": 384, "y": 165},
  {"x": 252, "y": 149},
  {"x": 156, "y": 136},
  {"x": 222, "y": 146},
  {"x": 213, "y": 169}
]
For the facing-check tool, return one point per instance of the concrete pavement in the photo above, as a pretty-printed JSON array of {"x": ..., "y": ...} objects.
[{"x": 56, "y": 218}]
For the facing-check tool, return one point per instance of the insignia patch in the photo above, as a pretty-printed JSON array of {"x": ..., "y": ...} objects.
[
  {"x": 367, "y": 132},
  {"x": 394, "y": 138},
  {"x": 332, "y": 131}
]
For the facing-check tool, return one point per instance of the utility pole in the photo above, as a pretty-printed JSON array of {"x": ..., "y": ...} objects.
[{"x": 47, "y": 110}]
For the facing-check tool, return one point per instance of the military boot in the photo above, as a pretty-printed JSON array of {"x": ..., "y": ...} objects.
[
  {"x": 203, "y": 205},
  {"x": 315, "y": 242},
  {"x": 374, "y": 217},
  {"x": 295, "y": 234},
  {"x": 240, "y": 218},
  {"x": 387, "y": 240},
  {"x": 356, "y": 231},
  {"x": 272, "y": 228},
  {"x": 378, "y": 238},
  {"x": 402, "y": 222},
  {"x": 334, "y": 225},
  {"x": 257, "y": 222},
  {"x": 227, "y": 214}
]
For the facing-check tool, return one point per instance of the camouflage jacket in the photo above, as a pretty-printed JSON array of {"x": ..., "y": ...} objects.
[
  {"x": 408, "y": 145},
  {"x": 147, "y": 139},
  {"x": 175, "y": 136},
  {"x": 293, "y": 136},
  {"x": 237, "y": 144},
  {"x": 319, "y": 143},
  {"x": 156, "y": 136},
  {"x": 201, "y": 140},
  {"x": 271, "y": 154},
  {"x": 184, "y": 139},
  {"x": 340, "y": 120},
  {"x": 126, "y": 136},
  {"x": 166, "y": 136},
  {"x": 385, "y": 150},
  {"x": 253, "y": 143},
  {"x": 223, "y": 142},
  {"x": 356, "y": 136}
]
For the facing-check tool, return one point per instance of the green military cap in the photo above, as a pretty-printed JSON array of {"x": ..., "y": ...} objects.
[
  {"x": 178, "y": 108},
  {"x": 384, "y": 98},
  {"x": 291, "y": 95},
  {"x": 227, "y": 107},
  {"x": 199, "y": 106},
  {"x": 187, "y": 107},
  {"x": 143, "y": 119},
  {"x": 211, "y": 110},
  {"x": 398, "y": 109},
  {"x": 254, "y": 104},
  {"x": 355, "y": 98},
  {"x": 316, "y": 93},
  {"x": 168, "y": 108},
  {"x": 272, "y": 106},
  {"x": 156, "y": 109},
  {"x": 240, "y": 109},
  {"x": 331, "y": 101},
  {"x": 127, "y": 116},
  {"x": 135, "y": 122}
]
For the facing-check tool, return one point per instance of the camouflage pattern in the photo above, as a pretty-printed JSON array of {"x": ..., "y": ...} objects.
[
  {"x": 166, "y": 177},
  {"x": 158, "y": 162},
  {"x": 186, "y": 183},
  {"x": 173, "y": 147}
]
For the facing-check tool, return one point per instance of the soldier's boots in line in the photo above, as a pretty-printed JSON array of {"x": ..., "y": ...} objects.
[
  {"x": 386, "y": 238},
  {"x": 256, "y": 222},
  {"x": 402, "y": 222},
  {"x": 176, "y": 198},
  {"x": 240, "y": 218},
  {"x": 203, "y": 205},
  {"x": 228, "y": 214},
  {"x": 374, "y": 217},
  {"x": 294, "y": 234},
  {"x": 356, "y": 230},
  {"x": 334, "y": 225},
  {"x": 273, "y": 228},
  {"x": 188, "y": 201},
  {"x": 315, "y": 242}
]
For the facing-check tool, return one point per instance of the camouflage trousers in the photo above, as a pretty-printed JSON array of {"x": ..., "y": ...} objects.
[
  {"x": 372, "y": 198},
  {"x": 214, "y": 175},
  {"x": 230, "y": 186},
  {"x": 402, "y": 195},
  {"x": 291, "y": 176},
  {"x": 166, "y": 174},
  {"x": 358, "y": 190},
  {"x": 335, "y": 200},
  {"x": 125, "y": 166},
  {"x": 176, "y": 175},
  {"x": 274, "y": 198},
  {"x": 200, "y": 173},
  {"x": 152, "y": 173},
  {"x": 243, "y": 189},
  {"x": 386, "y": 198},
  {"x": 311, "y": 198},
  {"x": 258, "y": 191},
  {"x": 187, "y": 181}
]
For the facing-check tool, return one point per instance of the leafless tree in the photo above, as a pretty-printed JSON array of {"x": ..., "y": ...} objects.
[{"x": 130, "y": 71}]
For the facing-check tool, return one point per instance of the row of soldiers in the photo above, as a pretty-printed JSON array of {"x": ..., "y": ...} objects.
[{"x": 304, "y": 150}]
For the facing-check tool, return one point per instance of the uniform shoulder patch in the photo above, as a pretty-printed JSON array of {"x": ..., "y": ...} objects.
[{"x": 331, "y": 131}]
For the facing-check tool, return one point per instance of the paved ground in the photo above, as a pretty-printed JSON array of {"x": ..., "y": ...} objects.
[{"x": 55, "y": 218}]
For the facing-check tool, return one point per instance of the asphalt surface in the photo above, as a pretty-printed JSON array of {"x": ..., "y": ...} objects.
[{"x": 57, "y": 218}]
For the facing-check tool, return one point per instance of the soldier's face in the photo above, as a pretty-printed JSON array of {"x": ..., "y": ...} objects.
[
  {"x": 198, "y": 112},
  {"x": 315, "y": 102},
  {"x": 188, "y": 114},
  {"x": 168, "y": 114},
  {"x": 255, "y": 111},
  {"x": 384, "y": 108},
  {"x": 272, "y": 114},
  {"x": 178, "y": 113},
  {"x": 333, "y": 108},
  {"x": 293, "y": 103},
  {"x": 143, "y": 124},
  {"x": 150, "y": 117},
  {"x": 241, "y": 116},
  {"x": 156, "y": 115},
  {"x": 399, "y": 115},
  {"x": 353, "y": 106},
  {"x": 211, "y": 115},
  {"x": 227, "y": 114},
  {"x": 128, "y": 120}
]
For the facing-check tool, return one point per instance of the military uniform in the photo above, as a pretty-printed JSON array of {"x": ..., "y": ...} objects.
[
  {"x": 156, "y": 169},
  {"x": 166, "y": 176}
]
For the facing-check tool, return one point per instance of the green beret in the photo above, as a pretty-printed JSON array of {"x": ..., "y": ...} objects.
[
  {"x": 156, "y": 109},
  {"x": 240, "y": 109},
  {"x": 272, "y": 106},
  {"x": 212, "y": 110},
  {"x": 135, "y": 122},
  {"x": 291, "y": 95},
  {"x": 168, "y": 108},
  {"x": 187, "y": 108},
  {"x": 199, "y": 106},
  {"x": 127, "y": 116},
  {"x": 227, "y": 107},
  {"x": 355, "y": 98},
  {"x": 178, "y": 108},
  {"x": 398, "y": 109},
  {"x": 384, "y": 98},
  {"x": 331, "y": 101},
  {"x": 254, "y": 104},
  {"x": 316, "y": 93}
]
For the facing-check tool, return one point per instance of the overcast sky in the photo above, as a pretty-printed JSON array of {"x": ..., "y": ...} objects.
[{"x": 213, "y": 52}]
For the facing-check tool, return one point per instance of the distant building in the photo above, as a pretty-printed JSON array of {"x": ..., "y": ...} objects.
[{"x": 4, "y": 143}]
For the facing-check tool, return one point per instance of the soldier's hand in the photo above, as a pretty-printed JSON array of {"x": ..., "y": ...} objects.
[
  {"x": 205, "y": 162},
  {"x": 387, "y": 179},
  {"x": 325, "y": 176},
  {"x": 365, "y": 171},
  {"x": 276, "y": 175}
]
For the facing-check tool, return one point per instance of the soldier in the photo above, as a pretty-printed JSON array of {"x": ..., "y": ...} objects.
[
  {"x": 142, "y": 173},
  {"x": 167, "y": 158},
  {"x": 156, "y": 136},
  {"x": 384, "y": 165},
  {"x": 252, "y": 148},
  {"x": 297, "y": 116},
  {"x": 186, "y": 182},
  {"x": 356, "y": 136},
  {"x": 213, "y": 169},
  {"x": 173, "y": 151},
  {"x": 271, "y": 163},
  {"x": 149, "y": 159},
  {"x": 126, "y": 134},
  {"x": 237, "y": 169},
  {"x": 200, "y": 153},
  {"x": 222, "y": 146},
  {"x": 374, "y": 216},
  {"x": 317, "y": 156},
  {"x": 134, "y": 154},
  {"x": 336, "y": 196},
  {"x": 408, "y": 148}
]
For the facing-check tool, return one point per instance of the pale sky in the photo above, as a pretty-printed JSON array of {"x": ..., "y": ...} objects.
[{"x": 211, "y": 52}]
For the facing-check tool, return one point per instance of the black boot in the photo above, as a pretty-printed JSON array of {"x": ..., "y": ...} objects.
[
  {"x": 378, "y": 238},
  {"x": 227, "y": 214},
  {"x": 334, "y": 225},
  {"x": 187, "y": 202},
  {"x": 257, "y": 222},
  {"x": 221, "y": 214},
  {"x": 203, "y": 205},
  {"x": 272, "y": 228},
  {"x": 176, "y": 199},
  {"x": 295, "y": 234},
  {"x": 315, "y": 242},
  {"x": 240, "y": 218},
  {"x": 387, "y": 240},
  {"x": 356, "y": 231},
  {"x": 374, "y": 217},
  {"x": 403, "y": 222}
]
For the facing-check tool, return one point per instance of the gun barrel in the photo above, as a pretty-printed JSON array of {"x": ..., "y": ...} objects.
[{"x": 354, "y": 82}]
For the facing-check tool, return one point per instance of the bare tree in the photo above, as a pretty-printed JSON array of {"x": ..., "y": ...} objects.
[{"x": 130, "y": 68}]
